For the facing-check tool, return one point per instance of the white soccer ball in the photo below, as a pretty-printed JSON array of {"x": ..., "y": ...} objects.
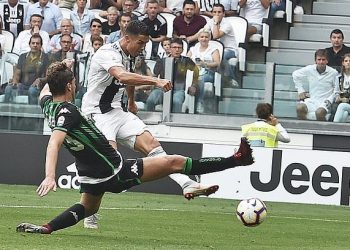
[{"x": 251, "y": 212}]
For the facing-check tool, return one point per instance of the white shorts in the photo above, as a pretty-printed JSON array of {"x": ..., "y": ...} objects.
[
  {"x": 121, "y": 126},
  {"x": 312, "y": 105}
]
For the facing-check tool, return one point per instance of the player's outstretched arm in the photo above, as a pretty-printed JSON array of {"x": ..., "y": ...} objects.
[
  {"x": 129, "y": 78},
  {"x": 53, "y": 147}
]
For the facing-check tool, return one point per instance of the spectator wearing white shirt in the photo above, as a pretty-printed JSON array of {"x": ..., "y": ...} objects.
[
  {"x": 255, "y": 11},
  {"x": 222, "y": 30},
  {"x": 320, "y": 81},
  {"x": 206, "y": 7},
  {"x": 22, "y": 41},
  {"x": 66, "y": 29},
  {"x": 51, "y": 13},
  {"x": 81, "y": 18}
]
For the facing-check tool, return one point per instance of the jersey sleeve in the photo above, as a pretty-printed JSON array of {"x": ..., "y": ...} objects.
[
  {"x": 67, "y": 118},
  {"x": 108, "y": 59}
]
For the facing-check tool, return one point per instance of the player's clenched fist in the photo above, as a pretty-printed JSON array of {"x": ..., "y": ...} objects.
[{"x": 164, "y": 84}]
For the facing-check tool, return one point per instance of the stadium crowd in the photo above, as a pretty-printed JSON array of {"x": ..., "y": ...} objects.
[{"x": 197, "y": 34}]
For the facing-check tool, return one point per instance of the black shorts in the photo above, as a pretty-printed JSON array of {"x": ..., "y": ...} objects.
[{"x": 128, "y": 176}]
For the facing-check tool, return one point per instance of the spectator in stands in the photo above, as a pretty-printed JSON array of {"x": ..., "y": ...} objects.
[
  {"x": 124, "y": 20},
  {"x": 175, "y": 6},
  {"x": 222, "y": 30},
  {"x": 267, "y": 131},
  {"x": 230, "y": 7},
  {"x": 206, "y": 7},
  {"x": 68, "y": 4},
  {"x": 188, "y": 24},
  {"x": 105, "y": 4},
  {"x": 157, "y": 25},
  {"x": 31, "y": 66},
  {"x": 181, "y": 65},
  {"x": 81, "y": 18},
  {"x": 22, "y": 41},
  {"x": 13, "y": 14},
  {"x": 66, "y": 29},
  {"x": 342, "y": 91},
  {"x": 208, "y": 59},
  {"x": 66, "y": 51},
  {"x": 95, "y": 30},
  {"x": 51, "y": 13},
  {"x": 319, "y": 78},
  {"x": 255, "y": 11},
  {"x": 164, "y": 50},
  {"x": 338, "y": 49},
  {"x": 129, "y": 7},
  {"x": 111, "y": 25},
  {"x": 275, "y": 6}
]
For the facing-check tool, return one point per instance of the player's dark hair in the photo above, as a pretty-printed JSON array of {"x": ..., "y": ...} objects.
[
  {"x": 58, "y": 76},
  {"x": 336, "y": 31},
  {"x": 264, "y": 110},
  {"x": 220, "y": 6},
  {"x": 321, "y": 53},
  {"x": 136, "y": 28},
  {"x": 188, "y": 2},
  {"x": 36, "y": 36}
]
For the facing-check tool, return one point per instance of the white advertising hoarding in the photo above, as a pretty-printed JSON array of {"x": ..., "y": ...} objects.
[{"x": 288, "y": 175}]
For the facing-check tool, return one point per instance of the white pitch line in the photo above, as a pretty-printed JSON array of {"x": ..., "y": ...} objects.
[{"x": 178, "y": 210}]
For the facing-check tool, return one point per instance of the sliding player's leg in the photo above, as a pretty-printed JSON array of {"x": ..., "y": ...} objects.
[{"x": 89, "y": 205}]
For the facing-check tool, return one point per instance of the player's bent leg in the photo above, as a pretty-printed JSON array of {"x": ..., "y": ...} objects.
[
  {"x": 151, "y": 147},
  {"x": 145, "y": 143},
  {"x": 91, "y": 204},
  {"x": 158, "y": 167},
  {"x": 66, "y": 219}
]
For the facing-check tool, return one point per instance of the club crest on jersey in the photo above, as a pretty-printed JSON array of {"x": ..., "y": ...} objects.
[{"x": 60, "y": 121}]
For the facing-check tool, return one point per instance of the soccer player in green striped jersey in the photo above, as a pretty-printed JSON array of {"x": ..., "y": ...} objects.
[{"x": 100, "y": 167}]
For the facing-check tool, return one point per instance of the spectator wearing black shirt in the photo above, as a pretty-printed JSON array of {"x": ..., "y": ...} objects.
[
  {"x": 111, "y": 24},
  {"x": 157, "y": 25},
  {"x": 338, "y": 49}
]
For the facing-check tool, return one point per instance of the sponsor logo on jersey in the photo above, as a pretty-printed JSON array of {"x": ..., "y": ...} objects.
[{"x": 64, "y": 111}]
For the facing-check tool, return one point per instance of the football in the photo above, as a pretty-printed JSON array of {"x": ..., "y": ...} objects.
[{"x": 251, "y": 212}]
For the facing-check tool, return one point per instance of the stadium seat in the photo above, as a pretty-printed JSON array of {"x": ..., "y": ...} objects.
[
  {"x": 9, "y": 40},
  {"x": 169, "y": 20},
  {"x": 189, "y": 100}
]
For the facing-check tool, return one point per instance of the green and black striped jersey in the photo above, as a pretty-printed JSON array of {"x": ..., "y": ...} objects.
[{"x": 95, "y": 157}]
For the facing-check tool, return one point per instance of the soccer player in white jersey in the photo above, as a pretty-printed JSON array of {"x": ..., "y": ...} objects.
[{"x": 109, "y": 75}]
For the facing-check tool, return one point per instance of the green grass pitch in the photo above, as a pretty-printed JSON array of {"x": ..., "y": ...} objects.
[{"x": 150, "y": 221}]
